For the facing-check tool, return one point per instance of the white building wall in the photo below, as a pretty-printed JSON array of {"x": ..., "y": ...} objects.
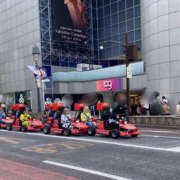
[
  {"x": 161, "y": 46},
  {"x": 19, "y": 31}
]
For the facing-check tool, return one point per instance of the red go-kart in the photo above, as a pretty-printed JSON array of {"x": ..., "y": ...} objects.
[
  {"x": 17, "y": 125},
  {"x": 53, "y": 126},
  {"x": 124, "y": 129},
  {"x": 8, "y": 119}
]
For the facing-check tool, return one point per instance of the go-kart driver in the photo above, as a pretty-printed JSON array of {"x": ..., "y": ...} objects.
[
  {"x": 24, "y": 117},
  {"x": 111, "y": 120},
  {"x": 86, "y": 116},
  {"x": 121, "y": 111},
  {"x": 66, "y": 119},
  {"x": 2, "y": 116}
]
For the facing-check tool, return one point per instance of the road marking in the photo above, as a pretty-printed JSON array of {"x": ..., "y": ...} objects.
[
  {"x": 53, "y": 147},
  {"x": 156, "y": 136},
  {"x": 97, "y": 173},
  {"x": 157, "y": 131},
  {"x": 104, "y": 142},
  {"x": 175, "y": 149},
  {"x": 9, "y": 140}
]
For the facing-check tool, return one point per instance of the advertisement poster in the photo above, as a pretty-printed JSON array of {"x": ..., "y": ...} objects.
[
  {"x": 69, "y": 21},
  {"x": 108, "y": 85}
]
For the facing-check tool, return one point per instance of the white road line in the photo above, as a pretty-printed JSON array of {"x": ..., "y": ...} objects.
[
  {"x": 156, "y": 131},
  {"x": 102, "y": 142},
  {"x": 97, "y": 173},
  {"x": 156, "y": 136},
  {"x": 175, "y": 149}
]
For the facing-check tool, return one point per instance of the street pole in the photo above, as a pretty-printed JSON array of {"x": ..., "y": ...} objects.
[
  {"x": 36, "y": 54},
  {"x": 38, "y": 92},
  {"x": 127, "y": 78},
  {"x": 131, "y": 54},
  {"x": 39, "y": 100}
]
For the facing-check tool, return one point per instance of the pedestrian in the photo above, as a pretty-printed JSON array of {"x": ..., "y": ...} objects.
[
  {"x": 121, "y": 109},
  {"x": 2, "y": 116},
  {"x": 134, "y": 109},
  {"x": 178, "y": 109},
  {"x": 139, "y": 109},
  {"x": 3, "y": 105}
]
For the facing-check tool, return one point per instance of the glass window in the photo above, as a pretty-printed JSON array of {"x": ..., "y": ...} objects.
[
  {"x": 122, "y": 27},
  {"x": 112, "y": 1},
  {"x": 100, "y": 23},
  {"x": 114, "y": 8},
  {"x": 122, "y": 16},
  {"x": 108, "y": 32},
  {"x": 115, "y": 51},
  {"x": 114, "y": 19},
  {"x": 108, "y": 53},
  {"x": 121, "y": 5},
  {"x": 121, "y": 38},
  {"x": 94, "y": 4},
  {"x": 138, "y": 43},
  {"x": 101, "y": 33},
  {"x": 137, "y": 11},
  {"x": 131, "y": 36},
  {"x": 94, "y": 13},
  {"x": 100, "y": 12},
  {"x": 100, "y": 3},
  {"x": 137, "y": 23},
  {"x": 136, "y": 2},
  {"x": 129, "y": 3},
  {"x": 130, "y": 13},
  {"x": 114, "y": 29},
  {"x": 107, "y": 21},
  {"x": 130, "y": 25},
  {"x": 107, "y": 11},
  {"x": 138, "y": 35},
  {"x": 106, "y": 2}
]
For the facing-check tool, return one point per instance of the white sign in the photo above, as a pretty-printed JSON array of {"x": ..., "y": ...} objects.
[
  {"x": 86, "y": 67},
  {"x": 129, "y": 71}
]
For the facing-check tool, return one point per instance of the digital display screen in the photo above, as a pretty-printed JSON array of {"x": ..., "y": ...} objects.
[{"x": 69, "y": 23}]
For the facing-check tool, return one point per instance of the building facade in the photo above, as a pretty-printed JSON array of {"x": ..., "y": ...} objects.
[
  {"x": 151, "y": 25},
  {"x": 19, "y": 31}
]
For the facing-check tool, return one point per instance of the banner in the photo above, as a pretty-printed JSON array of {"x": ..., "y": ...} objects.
[
  {"x": 108, "y": 85},
  {"x": 69, "y": 21}
]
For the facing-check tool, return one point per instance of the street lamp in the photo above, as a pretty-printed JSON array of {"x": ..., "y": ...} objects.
[
  {"x": 101, "y": 47},
  {"x": 36, "y": 55},
  {"x": 131, "y": 54}
]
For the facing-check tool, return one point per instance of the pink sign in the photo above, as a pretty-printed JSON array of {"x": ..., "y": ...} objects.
[{"x": 108, "y": 85}]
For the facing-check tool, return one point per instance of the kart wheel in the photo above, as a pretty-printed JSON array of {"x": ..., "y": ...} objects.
[
  {"x": 46, "y": 130},
  {"x": 115, "y": 133},
  {"x": 91, "y": 131},
  {"x": 9, "y": 127},
  {"x": 67, "y": 132},
  {"x": 23, "y": 129}
]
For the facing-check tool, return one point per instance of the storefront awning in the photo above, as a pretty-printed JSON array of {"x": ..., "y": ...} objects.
[{"x": 100, "y": 74}]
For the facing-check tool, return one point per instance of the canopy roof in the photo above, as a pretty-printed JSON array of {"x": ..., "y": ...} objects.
[{"x": 99, "y": 74}]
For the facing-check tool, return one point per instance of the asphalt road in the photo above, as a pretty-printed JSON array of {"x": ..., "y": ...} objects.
[{"x": 153, "y": 155}]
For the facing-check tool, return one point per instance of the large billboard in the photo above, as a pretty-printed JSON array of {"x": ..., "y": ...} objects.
[
  {"x": 69, "y": 21},
  {"x": 108, "y": 85}
]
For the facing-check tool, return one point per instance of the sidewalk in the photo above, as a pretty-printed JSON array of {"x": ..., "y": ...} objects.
[{"x": 165, "y": 122}]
